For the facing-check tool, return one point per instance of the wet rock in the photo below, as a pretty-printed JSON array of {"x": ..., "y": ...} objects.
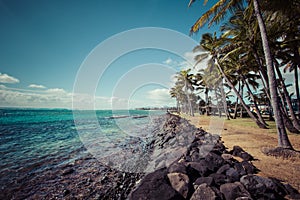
[
  {"x": 234, "y": 191},
  {"x": 203, "y": 192},
  {"x": 180, "y": 182},
  {"x": 249, "y": 167}
]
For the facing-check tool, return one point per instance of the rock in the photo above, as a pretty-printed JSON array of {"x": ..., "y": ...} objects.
[
  {"x": 203, "y": 192},
  {"x": 214, "y": 161},
  {"x": 68, "y": 171},
  {"x": 180, "y": 182},
  {"x": 226, "y": 156},
  {"x": 240, "y": 169},
  {"x": 223, "y": 169},
  {"x": 219, "y": 179},
  {"x": 177, "y": 167},
  {"x": 234, "y": 191},
  {"x": 246, "y": 156},
  {"x": 232, "y": 175},
  {"x": 249, "y": 167},
  {"x": 200, "y": 167},
  {"x": 236, "y": 151},
  {"x": 206, "y": 180},
  {"x": 261, "y": 187},
  {"x": 155, "y": 186}
]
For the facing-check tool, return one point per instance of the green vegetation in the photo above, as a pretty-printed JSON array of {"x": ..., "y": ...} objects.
[{"x": 257, "y": 44}]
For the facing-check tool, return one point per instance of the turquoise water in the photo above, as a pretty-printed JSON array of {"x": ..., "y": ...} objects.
[{"x": 34, "y": 140}]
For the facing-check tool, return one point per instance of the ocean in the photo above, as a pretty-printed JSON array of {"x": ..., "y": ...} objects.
[{"x": 35, "y": 141}]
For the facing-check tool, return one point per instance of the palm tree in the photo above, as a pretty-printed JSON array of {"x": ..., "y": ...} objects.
[
  {"x": 185, "y": 80},
  {"x": 218, "y": 11}
]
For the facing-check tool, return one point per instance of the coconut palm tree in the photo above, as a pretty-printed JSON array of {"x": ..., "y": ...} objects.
[{"x": 217, "y": 13}]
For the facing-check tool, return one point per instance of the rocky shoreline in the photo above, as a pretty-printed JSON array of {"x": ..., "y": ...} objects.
[
  {"x": 206, "y": 170},
  {"x": 182, "y": 162}
]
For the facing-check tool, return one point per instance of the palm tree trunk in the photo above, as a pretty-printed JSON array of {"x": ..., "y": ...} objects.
[
  {"x": 255, "y": 104},
  {"x": 288, "y": 100},
  {"x": 242, "y": 95},
  {"x": 259, "y": 124},
  {"x": 218, "y": 107},
  {"x": 297, "y": 89},
  {"x": 224, "y": 101},
  {"x": 296, "y": 52},
  {"x": 283, "y": 140},
  {"x": 206, "y": 102},
  {"x": 237, "y": 101}
]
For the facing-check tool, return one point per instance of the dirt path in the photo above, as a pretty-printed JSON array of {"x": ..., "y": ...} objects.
[{"x": 244, "y": 133}]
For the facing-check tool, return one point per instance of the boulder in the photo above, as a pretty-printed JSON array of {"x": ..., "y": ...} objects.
[
  {"x": 206, "y": 180},
  {"x": 232, "y": 175},
  {"x": 223, "y": 169},
  {"x": 155, "y": 186},
  {"x": 180, "y": 182},
  {"x": 177, "y": 167},
  {"x": 234, "y": 191},
  {"x": 200, "y": 167},
  {"x": 214, "y": 161},
  {"x": 203, "y": 192}
]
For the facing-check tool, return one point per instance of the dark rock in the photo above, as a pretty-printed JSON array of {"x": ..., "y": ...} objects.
[
  {"x": 290, "y": 190},
  {"x": 214, "y": 161},
  {"x": 203, "y": 192},
  {"x": 155, "y": 186},
  {"x": 180, "y": 182},
  {"x": 240, "y": 169},
  {"x": 249, "y": 167},
  {"x": 246, "y": 156},
  {"x": 236, "y": 151},
  {"x": 201, "y": 180},
  {"x": 219, "y": 179},
  {"x": 223, "y": 169},
  {"x": 66, "y": 192},
  {"x": 200, "y": 167},
  {"x": 177, "y": 167},
  {"x": 195, "y": 156},
  {"x": 232, "y": 175},
  {"x": 68, "y": 171},
  {"x": 260, "y": 187},
  {"x": 234, "y": 190}
]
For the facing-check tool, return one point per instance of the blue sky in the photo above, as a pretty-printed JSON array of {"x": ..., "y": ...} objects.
[{"x": 44, "y": 43}]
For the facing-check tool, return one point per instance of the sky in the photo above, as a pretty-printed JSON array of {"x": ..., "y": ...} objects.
[
  {"x": 95, "y": 54},
  {"x": 45, "y": 44}
]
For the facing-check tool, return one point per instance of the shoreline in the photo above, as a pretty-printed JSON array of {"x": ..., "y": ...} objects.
[{"x": 176, "y": 147}]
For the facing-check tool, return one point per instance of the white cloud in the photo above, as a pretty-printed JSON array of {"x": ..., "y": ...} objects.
[
  {"x": 4, "y": 78},
  {"x": 36, "y": 86},
  {"x": 56, "y": 90},
  {"x": 169, "y": 61},
  {"x": 160, "y": 97}
]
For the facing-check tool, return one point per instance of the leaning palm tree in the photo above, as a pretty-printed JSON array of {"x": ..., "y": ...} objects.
[{"x": 217, "y": 12}]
